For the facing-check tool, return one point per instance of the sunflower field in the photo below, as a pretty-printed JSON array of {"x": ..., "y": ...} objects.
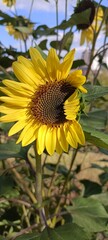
[{"x": 54, "y": 120}]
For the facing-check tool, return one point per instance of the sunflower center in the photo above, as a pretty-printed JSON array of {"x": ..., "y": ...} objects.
[{"x": 47, "y": 103}]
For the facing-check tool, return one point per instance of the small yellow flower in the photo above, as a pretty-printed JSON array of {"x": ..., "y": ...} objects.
[
  {"x": 88, "y": 34},
  {"x": 22, "y": 23},
  {"x": 9, "y": 3},
  {"x": 45, "y": 103}
]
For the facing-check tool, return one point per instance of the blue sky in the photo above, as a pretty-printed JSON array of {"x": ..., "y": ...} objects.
[{"x": 43, "y": 12}]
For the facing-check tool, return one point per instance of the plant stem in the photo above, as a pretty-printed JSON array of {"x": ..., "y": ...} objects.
[
  {"x": 31, "y": 9},
  {"x": 56, "y": 1},
  {"x": 64, "y": 186},
  {"x": 39, "y": 189},
  {"x": 53, "y": 176},
  {"x": 75, "y": 151},
  {"x": 96, "y": 33}
]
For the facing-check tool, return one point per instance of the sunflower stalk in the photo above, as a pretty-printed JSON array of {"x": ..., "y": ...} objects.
[
  {"x": 53, "y": 176},
  {"x": 64, "y": 187},
  {"x": 39, "y": 189},
  {"x": 94, "y": 41}
]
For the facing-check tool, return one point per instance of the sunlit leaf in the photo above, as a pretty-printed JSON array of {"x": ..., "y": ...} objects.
[
  {"x": 97, "y": 119},
  {"x": 69, "y": 231},
  {"x": 11, "y": 149},
  {"x": 99, "y": 139},
  {"x": 89, "y": 214},
  {"x": 94, "y": 92}
]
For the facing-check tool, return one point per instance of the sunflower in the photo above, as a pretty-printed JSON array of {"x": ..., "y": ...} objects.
[
  {"x": 23, "y": 24},
  {"x": 88, "y": 34},
  {"x": 45, "y": 104},
  {"x": 9, "y": 3}
]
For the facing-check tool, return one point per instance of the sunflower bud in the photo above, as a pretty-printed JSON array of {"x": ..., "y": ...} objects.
[{"x": 82, "y": 6}]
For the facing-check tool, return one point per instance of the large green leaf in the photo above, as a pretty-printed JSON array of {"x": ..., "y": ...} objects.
[
  {"x": 97, "y": 119},
  {"x": 75, "y": 19},
  {"x": 91, "y": 188},
  {"x": 11, "y": 149},
  {"x": 89, "y": 214},
  {"x": 99, "y": 139},
  {"x": 94, "y": 92},
  {"x": 102, "y": 197},
  {"x": 29, "y": 236},
  {"x": 68, "y": 231},
  {"x": 6, "y": 184}
]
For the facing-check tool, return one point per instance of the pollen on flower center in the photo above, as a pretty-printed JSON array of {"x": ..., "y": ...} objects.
[{"x": 48, "y": 101}]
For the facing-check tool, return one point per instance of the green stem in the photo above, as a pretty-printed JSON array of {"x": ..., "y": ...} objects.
[
  {"x": 75, "y": 151},
  {"x": 64, "y": 186},
  {"x": 53, "y": 176},
  {"x": 94, "y": 41},
  {"x": 39, "y": 190},
  {"x": 5, "y": 72},
  {"x": 66, "y": 3},
  {"x": 56, "y": 1},
  {"x": 31, "y": 9}
]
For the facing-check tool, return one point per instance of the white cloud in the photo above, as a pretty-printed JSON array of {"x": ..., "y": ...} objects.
[
  {"x": 44, "y": 5},
  {"x": 41, "y": 5}
]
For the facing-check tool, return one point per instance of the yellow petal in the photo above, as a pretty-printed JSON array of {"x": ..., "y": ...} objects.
[
  {"x": 82, "y": 89},
  {"x": 28, "y": 134},
  {"x": 19, "y": 87},
  {"x": 29, "y": 65},
  {"x": 24, "y": 74},
  {"x": 66, "y": 65},
  {"x": 16, "y": 101},
  {"x": 18, "y": 126},
  {"x": 62, "y": 138},
  {"x": 50, "y": 141},
  {"x": 39, "y": 63},
  {"x": 72, "y": 106},
  {"x": 76, "y": 78},
  {"x": 8, "y": 109},
  {"x": 17, "y": 115},
  {"x": 16, "y": 93},
  {"x": 82, "y": 38},
  {"x": 76, "y": 127},
  {"x": 40, "y": 144},
  {"x": 58, "y": 147},
  {"x": 70, "y": 136},
  {"x": 52, "y": 64}
]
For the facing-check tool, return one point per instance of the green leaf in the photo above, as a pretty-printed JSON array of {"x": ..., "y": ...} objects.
[
  {"x": 11, "y": 149},
  {"x": 23, "y": 29},
  {"x": 97, "y": 119},
  {"x": 6, "y": 185},
  {"x": 29, "y": 236},
  {"x": 69, "y": 231},
  {"x": 78, "y": 63},
  {"x": 89, "y": 214},
  {"x": 94, "y": 92},
  {"x": 96, "y": 137},
  {"x": 43, "y": 44},
  {"x": 67, "y": 41},
  {"x": 102, "y": 197},
  {"x": 104, "y": 177},
  {"x": 91, "y": 188},
  {"x": 78, "y": 18}
]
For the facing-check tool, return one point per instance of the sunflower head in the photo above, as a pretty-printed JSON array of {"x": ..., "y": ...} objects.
[
  {"x": 45, "y": 104},
  {"x": 82, "y": 6},
  {"x": 20, "y": 22},
  {"x": 9, "y": 3}
]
